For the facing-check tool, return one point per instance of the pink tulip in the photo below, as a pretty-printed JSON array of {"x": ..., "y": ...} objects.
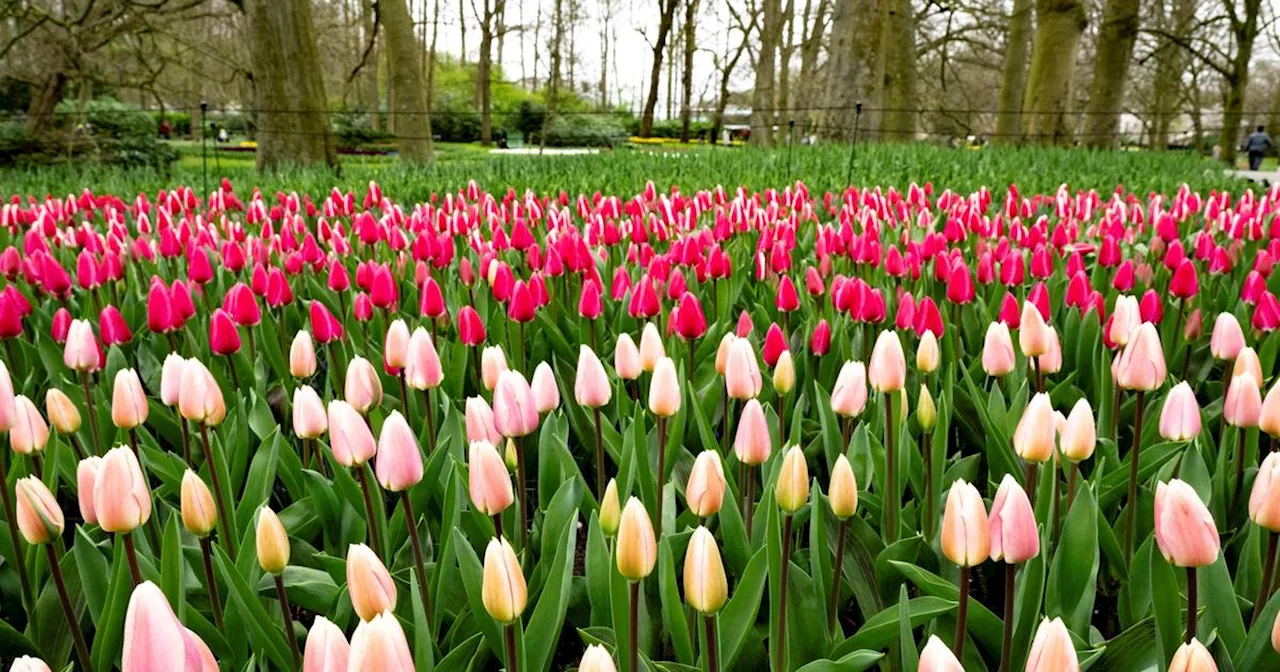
[
  {"x": 1264, "y": 500},
  {"x": 626, "y": 358},
  {"x": 966, "y": 537},
  {"x": 398, "y": 464},
  {"x": 1012, "y": 524},
  {"x": 1033, "y": 439},
  {"x": 363, "y": 387},
  {"x": 128, "y": 400},
  {"x": 1247, "y": 363},
  {"x": 479, "y": 421},
  {"x": 546, "y": 395},
  {"x": 591, "y": 387},
  {"x": 81, "y": 353},
  {"x": 7, "y": 410},
  {"x": 326, "y": 649},
  {"x": 1269, "y": 421},
  {"x": 1125, "y": 317},
  {"x": 651, "y": 349},
  {"x": 1185, "y": 530},
  {"x": 1227, "y": 338},
  {"x": 309, "y": 418},
  {"x": 154, "y": 639},
  {"x": 887, "y": 371},
  {"x": 1033, "y": 333},
  {"x": 1141, "y": 365},
  {"x": 488, "y": 480},
  {"x": 1180, "y": 417},
  {"x": 171, "y": 379},
  {"x": 199, "y": 397},
  {"x": 514, "y": 412},
  {"x": 1243, "y": 405},
  {"x": 849, "y": 396},
  {"x": 1052, "y": 650},
  {"x": 29, "y": 434},
  {"x": 937, "y": 657},
  {"x": 422, "y": 369},
  {"x": 369, "y": 583},
  {"x": 349, "y": 436},
  {"x": 1051, "y": 361},
  {"x": 492, "y": 363},
  {"x": 752, "y": 443},
  {"x": 997, "y": 351},
  {"x": 121, "y": 498},
  {"x": 27, "y": 663},
  {"x": 742, "y": 371},
  {"x": 1192, "y": 656},
  {"x": 664, "y": 389},
  {"x": 704, "y": 491},
  {"x": 39, "y": 516},
  {"x": 87, "y": 473},
  {"x": 379, "y": 645},
  {"x": 395, "y": 347}
]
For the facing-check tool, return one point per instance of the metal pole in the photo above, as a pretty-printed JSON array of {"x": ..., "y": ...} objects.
[
  {"x": 791, "y": 136},
  {"x": 204, "y": 149},
  {"x": 853, "y": 148}
]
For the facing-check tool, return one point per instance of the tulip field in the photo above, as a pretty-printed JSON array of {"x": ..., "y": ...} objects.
[{"x": 1006, "y": 427}]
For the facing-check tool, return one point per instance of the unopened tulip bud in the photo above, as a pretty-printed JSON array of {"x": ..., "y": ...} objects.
[
  {"x": 664, "y": 389},
  {"x": 1275, "y": 635},
  {"x": 610, "y": 509},
  {"x": 422, "y": 368},
  {"x": 926, "y": 410},
  {"x": 121, "y": 499},
  {"x": 128, "y": 400},
  {"x": 596, "y": 659},
  {"x": 29, "y": 664},
  {"x": 752, "y": 444},
  {"x": 792, "y": 490},
  {"x": 626, "y": 358},
  {"x": 1185, "y": 530},
  {"x": 199, "y": 513},
  {"x": 651, "y": 349},
  {"x": 349, "y": 436},
  {"x": 309, "y": 419},
  {"x": 379, "y": 645},
  {"x": 200, "y": 399},
  {"x": 1264, "y": 500},
  {"x": 1142, "y": 365},
  {"x": 509, "y": 455},
  {"x": 62, "y": 412},
  {"x": 928, "y": 355},
  {"x": 784, "y": 374},
  {"x": 369, "y": 583},
  {"x": 39, "y": 516},
  {"x": 363, "y": 387},
  {"x": 1051, "y": 361},
  {"x": 6, "y": 399},
  {"x": 1033, "y": 333},
  {"x": 1079, "y": 435},
  {"x": 546, "y": 395},
  {"x": 489, "y": 483},
  {"x": 704, "y": 491},
  {"x": 997, "y": 351},
  {"x": 706, "y": 588},
  {"x": 81, "y": 353},
  {"x": 1269, "y": 421},
  {"x": 154, "y": 638},
  {"x": 887, "y": 371},
  {"x": 479, "y": 421},
  {"x": 636, "y": 550},
  {"x": 1247, "y": 363},
  {"x": 1013, "y": 534},
  {"x": 937, "y": 657},
  {"x": 395, "y": 347},
  {"x": 591, "y": 387},
  {"x": 742, "y": 371},
  {"x": 1243, "y": 405},
  {"x": 1180, "y": 416},
  {"x": 514, "y": 411},
  {"x": 1193, "y": 657},
  {"x": 1227, "y": 339},
  {"x": 1052, "y": 649},
  {"x": 302, "y": 355},
  {"x": 1033, "y": 440},
  {"x": 87, "y": 473},
  {"x": 849, "y": 396},
  {"x": 272, "y": 542},
  {"x": 326, "y": 649},
  {"x": 504, "y": 591},
  {"x": 722, "y": 352},
  {"x": 842, "y": 493},
  {"x": 398, "y": 463},
  {"x": 171, "y": 379},
  {"x": 966, "y": 539},
  {"x": 492, "y": 363},
  {"x": 29, "y": 434}
]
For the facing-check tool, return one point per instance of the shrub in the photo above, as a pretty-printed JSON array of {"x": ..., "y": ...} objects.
[{"x": 104, "y": 131}]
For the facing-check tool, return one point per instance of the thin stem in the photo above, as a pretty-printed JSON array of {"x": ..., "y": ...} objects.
[
  {"x": 224, "y": 532},
  {"x": 132, "y": 556},
  {"x": 1239, "y": 481},
  {"x": 962, "y": 614},
  {"x": 599, "y": 456},
  {"x": 404, "y": 393},
  {"x": 662, "y": 474},
  {"x": 1131, "y": 530},
  {"x": 214, "y": 600},
  {"x": 430, "y": 412},
  {"x": 713, "y": 659},
  {"x": 926, "y": 444},
  {"x": 1191, "y": 605},
  {"x": 73, "y": 624},
  {"x": 749, "y": 506},
  {"x": 419, "y": 564},
  {"x": 633, "y": 640},
  {"x": 780, "y": 647},
  {"x": 834, "y": 604},
  {"x": 288, "y": 622},
  {"x": 523, "y": 491},
  {"x": 1264, "y": 588},
  {"x": 93, "y": 416},
  {"x": 186, "y": 439},
  {"x": 1072, "y": 472},
  {"x": 1035, "y": 364},
  {"x": 1030, "y": 485},
  {"x": 1006, "y": 647},
  {"x": 19, "y": 558},
  {"x": 76, "y": 447},
  {"x": 510, "y": 637},
  {"x": 890, "y": 471},
  {"x": 368, "y": 510}
]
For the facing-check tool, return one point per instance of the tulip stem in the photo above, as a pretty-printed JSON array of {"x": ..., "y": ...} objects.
[
  {"x": 928, "y": 485},
  {"x": 153, "y": 533},
  {"x": 632, "y": 627},
  {"x": 835, "y": 577},
  {"x": 662, "y": 474},
  {"x": 713, "y": 662},
  {"x": 288, "y": 622},
  {"x": 76, "y": 447},
  {"x": 599, "y": 456},
  {"x": 1191, "y": 605},
  {"x": 749, "y": 505},
  {"x": 370, "y": 517},
  {"x": 1131, "y": 530},
  {"x": 523, "y": 491},
  {"x": 1072, "y": 472},
  {"x": 214, "y": 600},
  {"x": 430, "y": 412},
  {"x": 728, "y": 415},
  {"x": 1031, "y": 483},
  {"x": 231, "y": 368},
  {"x": 132, "y": 555},
  {"x": 1053, "y": 502},
  {"x": 419, "y": 564},
  {"x": 1264, "y": 588},
  {"x": 186, "y": 439},
  {"x": 1035, "y": 364},
  {"x": 1239, "y": 481},
  {"x": 224, "y": 529},
  {"x": 93, "y": 416},
  {"x": 77, "y": 637},
  {"x": 890, "y": 471},
  {"x": 19, "y": 559},
  {"x": 847, "y": 430},
  {"x": 962, "y": 613},
  {"x": 780, "y": 647},
  {"x": 1006, "y": 648}
]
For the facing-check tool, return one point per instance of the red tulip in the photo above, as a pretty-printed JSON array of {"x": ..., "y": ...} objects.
[
  {"x": 112, "y": 327},
  {"x": 159, "y": 307},
  {"x": 589, "y": 301},
  {"x": 278, "y": 291},
  {"x": 431, "y": 303},
  {"x": 786, "y": 300},
  {"x": 61, "y": 326},
  {"x": 470, "y": 328},
  {"x": 522, "y": 305},
  {"x": 242, "y": 305},
  {"x": 690, "y": 322},
  {"x": 10, "y": 317},
  {"x": 774, "y": 344},
  {"x": 820, "y": 342},
  {"x": 362, "y": 307},
  {"x": 224, "y": 337},
  {"x": 960, "y": 284},
  {"x": 929, "y": 318},
  {"x": 1009, "y": 311},
  {"x": 324, "y": 326},
  {"x": 1151, "y": 308},
  {"x": 87, "y": 270},
  {"x": 199, "y": 270},
  {"x": 744, "y": 325}
]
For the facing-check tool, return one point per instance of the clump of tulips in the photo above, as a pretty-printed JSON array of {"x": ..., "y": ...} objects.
[{"x": 720, "y": 430}]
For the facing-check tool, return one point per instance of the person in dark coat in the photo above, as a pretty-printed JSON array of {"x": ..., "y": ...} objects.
[{"x": 1257, "y": 145}]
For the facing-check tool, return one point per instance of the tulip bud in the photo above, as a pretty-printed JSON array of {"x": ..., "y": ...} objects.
[
  {"x": 1193, "y": 657},
  {"x": 1264, "y": 500},
  {"x": 6, "y": 399},
  {"x": 887, "y": 371},
  {"x": 1052, "y": 650},
  {"x": 121, "y": 499},
  {"x": 937, "y": 657},
  {"x": 479, "y": 421},
  {"x": 1180, "y": 416},
  {"x": 29, "y": 434},
  {"x": 488, "y": 480},
  {"x": 1051, "y": 361},
  {"x": 273, "y": 542},
  {"x": 664, "y": 389},
  {"x": 128, "y": 400},
  {"x": 398, "y": 464},
  {"x": 926, "y": 410},
  {"x": 1227, "y": 338},
  {"x": 379, "y": 645},
  {"x": 546, "y": 395},
  {"x": 1141, "y": 365},
  {"x": 610, "y": 509},
  {"x": 492, "y": 363},
  {"x": 509, "y": 455},
  {"x": 636, "y": 550},
  {"x": 368, "y": 582},
  {"x": 302, "y": 355},
  {"x": 39, "y": 516},
  {"x": 154, "y": 638},
  {"x": 1185, "y": 530},
  {"x": 742, "y": 371},
  {"x": 849, "y": 396},
  {"x": 62, "y": 412},
  {"x": 1247, "y": 363},
  {"x": 722, "y": 352},
  {"x": 309, "y": 420},
  {"x": 200, "y": 399},
  {"x": 29, "y": 664},
  {"x": 928, "y": 355},
  {"x": 1269, "y": 420},
  {"x": 199, "y": 513},
  {"x": 1012, "y": 527},
  {"x": 752, "y": 444},
  {"x": 792, "y": 491},
  {"x": 395, "y": 347},
  {"x": 363, "y": 387},
  {"x": 326, "y": 649},
  {"x": 596, "y": 659},
  {"x": 1243, "y": 405},
  {"x": 704, "y": 491},
  {"x": 966, "y": 538},
  {"x": 514, "y": 412},
  {"x": 1033, "y": 440},
  {"x": 651, "y": 349},
  {"x": 422, "y": 369},
  {"x": 87, "y": 473},
  {"x": 349, "y": 436},
  {"x": 591, "y": 387},
  {"x": 842, "y": 493},
  {"x": 1079, "y": 436},
  {"x": 503, "y": 591},
  {"x": 626, "y": 358},
  {"x": 224, "y": 337},
  {"x": 784, "y": 374},
  {"x": 81, "y": 353},
  {"x": 997, "y": 350},
  {"x": 706, "y": 588},
  {"x": 1275, "y": 635},
  {"x": 171, "y": 379}
]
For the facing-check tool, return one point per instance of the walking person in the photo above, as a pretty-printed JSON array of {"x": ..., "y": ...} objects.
[{"x": 1257, "y": 145}]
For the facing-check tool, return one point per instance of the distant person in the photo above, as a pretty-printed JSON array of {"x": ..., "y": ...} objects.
[
  {"x": 502, "y": 139},
  {"x": 165, "y": 129},
  {"x": 222, "y": 135},
  {"x": 1257, "y": 145}
]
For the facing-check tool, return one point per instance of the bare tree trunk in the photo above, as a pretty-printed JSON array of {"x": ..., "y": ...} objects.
[
  {"x": 1245, "y": 31},
  {"x": 1053, "y": 65},
  {"x": 413, "y": 122},
  {"x": 726, "y": 73},
  {"x": 843, "y": 89},
  {"x": 1170, "y": 65},
  {"x": 810, "y": 49},
  {"x": 763, "y": 100},
  {"x": 484, "y": 69},
  {"x": 898, "y": 120},
  {"x": 686, "y": 82},
  {"x": 553, "y": 81},
  {"x": 44, "y": 102},
  {"x": 1013, "y": 73},
  {"x": 431, "y": 57},
  {"x": 671, "y": 76},
  {"x": 462, "y": 30},
  {"x": 666, "y": 18},
  {"x": 606, "y": 19},
  {"x": 372, "y": 98},
  {"x": 1118, "y": 33},
  {"x": 786, "y": 50}
]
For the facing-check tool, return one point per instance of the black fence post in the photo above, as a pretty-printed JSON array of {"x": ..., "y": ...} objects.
[
  {"x": 853, "y": 148},
  {"x": 204, "y": 148}
]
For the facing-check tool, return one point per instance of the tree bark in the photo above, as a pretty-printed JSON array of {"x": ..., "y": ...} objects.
[
  {"x": 431, "y": 58},
  {"x": 666, "y": 19},
  {"x": 686, "y": 79},
  {"x": 1013, "y": 73},
  {"x": 1053, "y": 65},
  {"x": 1170, "y": 64},
  {"x": 1245, "y": 31},
  {"x": 413, "y": 122},
  {"x": 898, "y": 120},
  {"x": 44, "y": 102},
  {"x": 810, "y": 49},
  {"x": 606, "y": 20},
  {"x": 373, "y": 99},
  {"x": 763, "y": 99},
  {"x": 1118, "y": 33},
  {"x": 292, "y": 121},
  {"x": 786, "y": 49},
  {"x": 484, "y": 68},
  {"x": 553, "y": 81},
  {"x": 843, "y": 88}
]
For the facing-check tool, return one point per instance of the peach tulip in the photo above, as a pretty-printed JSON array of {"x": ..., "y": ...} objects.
[
  {"x": 62, "y": 412},
  {"x": 379, "y": 645},
  {"x": 489, "y": 483},
  {"x": 272, "y": 542},
  {"x": 39, "y": 516},
  {"x": 591, "y": 387},
  {"x": 349, "y": 436},
  {"x": 887, "y": 371},
  {"x": 651, "y": 349},
  {"x": 1227, "y": 338},
  {"x": 636, "y": 550},
  {"x": 6, "y": 399},
  {"x": 87, "y": 473},
  {"x": 1269, "y": 419},
  {"x": 309, "y": 418},
  {"x": 1079, "y": 434},
  {"x": 29, "y": 434},
  {"x": 792, "y": 490},
  {"x": 128, "y": 400},
  {"x": 752, "y": 444},
  {"x": 1141, "y": 365},
  {"x": 626, "y": 358},
  {"x": 704, "y": 491},
  {"x": 966, "y": 539},
  {"x": 327, "y": 649},
  {"x": 1033, "y": 439},
  {"x": 479, "y": 421},
  {"x": 742, "y": 371},
  {"x": 1247, "y": 362},
  {"x": 664, "y": 389},
  {"x": 503, "y": 589},
  {"x": 849, "y": 396},
  {"x": 1264, "y": 499},
  {"x": 121, "y": 498},
  {"x": 937, "y": 657},
  {"x": 928, "y": 354},
  {"x": 398, "y": 463},
  {"x": 422, "y": 368},
  {"x": 81, "y": 353},
  {"x": 1243, "y": 405},
  {"x": 596, "y": 659},
  {"x": 28, "y": 664},
  {"x": 395, "y": 346},
  {"x": 1180, "y": 416},
  {"x": 171, "y": 379},
  {"x": 1033, "y": 333},
  {"x": 784, "y": 374},
  {"x": 302, "y": 355},
  {"x": 154, "y": 638},
  {"x": 362, "y": 388},
  {"x": 997, "y": 350},
  {"x": 706, "y": 588},
  {"x": 722, "y": 352},
  {"x": 514, "y": 412},
  {"x": 492, "y": 363},
  {"x": 546, "y": 394},
  {"x": 199, "y": 513},
  {"x": 369, "y": 583},
  {"x": 1052, "y": 649},
  {"x": 1185, "y": 530},
  {"x": 1125, "y": 318},
  {"x": 1014, "y": 536},
  {"x": 1051, "y": 361},
  {"x": 200, "y": 399},
  {"x": 842, "y": 492},
  {"x": 1193, "y": 657}
]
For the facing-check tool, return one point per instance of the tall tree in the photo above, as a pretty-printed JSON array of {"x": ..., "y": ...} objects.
[
  {"x": 726, "y": 66},
  {"x": 1013, "y": 73},
  {"x": 484, "y": 66},
  {"x": 553, "y": 80},
  {"x": 606, "y": 22},
  {"x": 764, "y": 96},
  {"x": 898, "y": 53},
  {"x": 666, "y": 18},
  {"x": 413, "y": 121},
  {"x": 372, "y": 97},
  {"x": 1053, "y": 67},
  {"x": 1118, "y": 33},
  {"x": 686, "y": 81},
  {"x": 814, "y": 24},
  {"x": 1167, "y": 89},
  {"x": 786, "y": 50}
]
